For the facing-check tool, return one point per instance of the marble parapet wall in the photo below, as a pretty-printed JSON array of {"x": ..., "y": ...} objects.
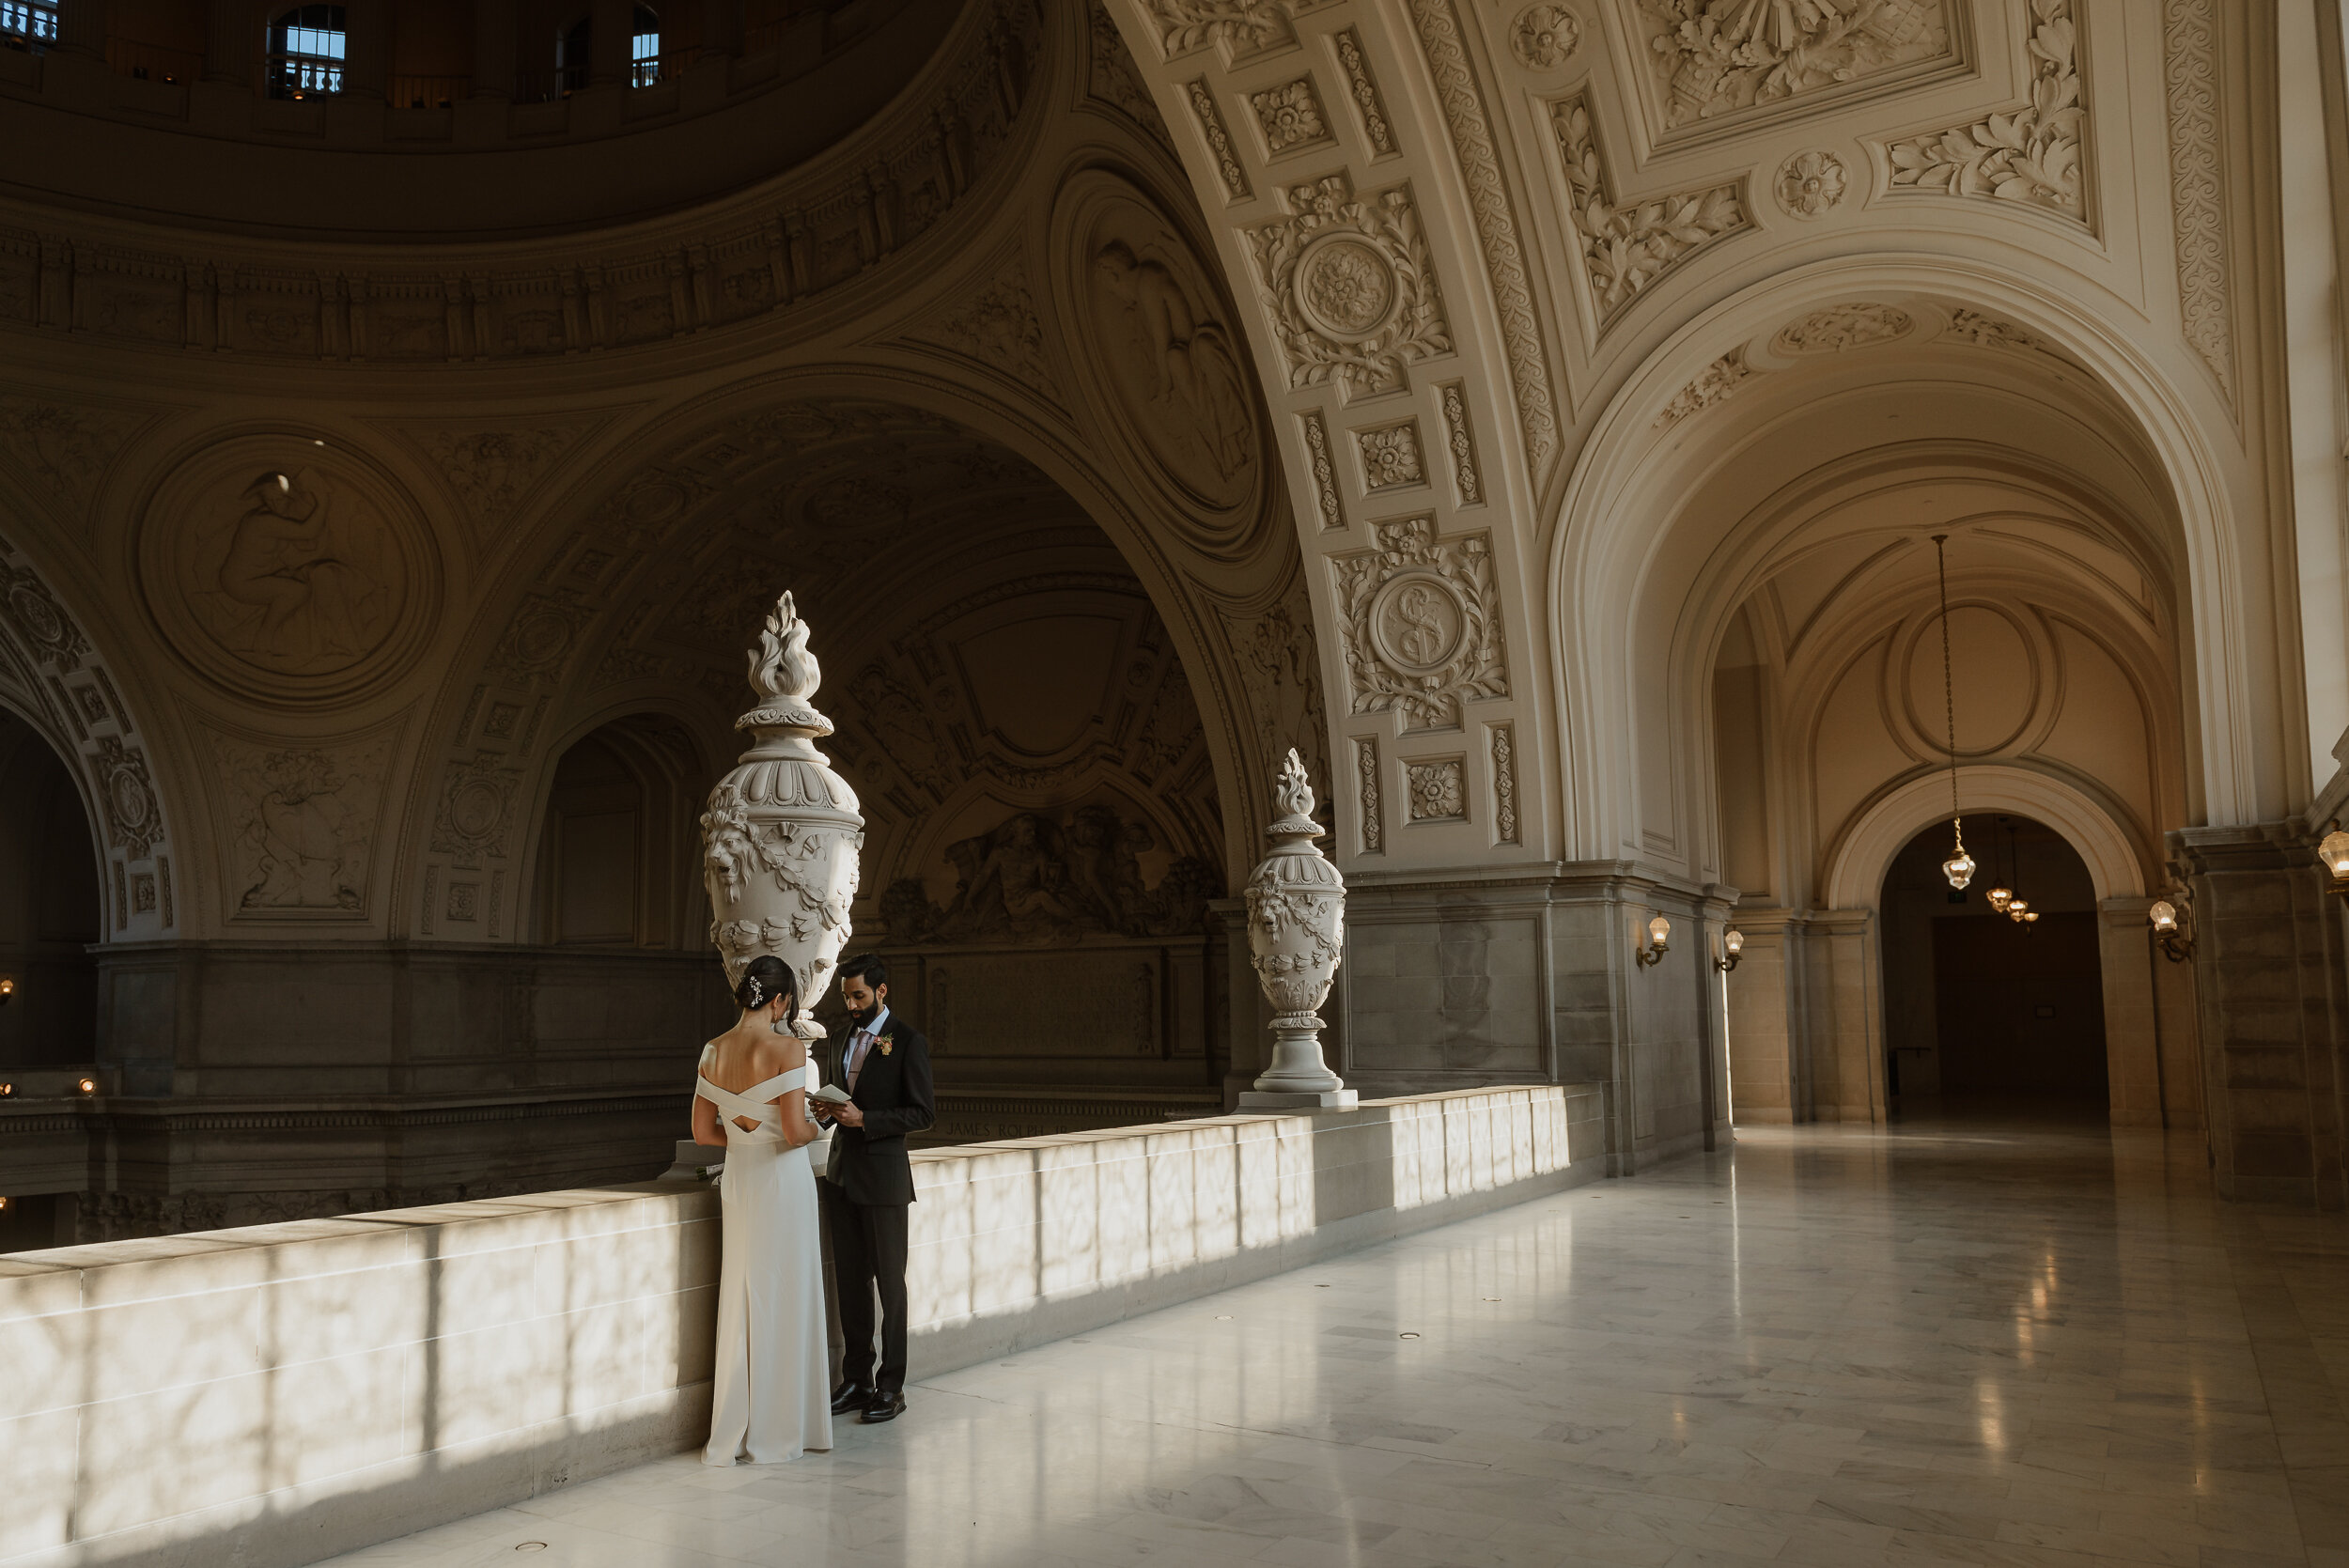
[{"x": 310, "y": 1388}]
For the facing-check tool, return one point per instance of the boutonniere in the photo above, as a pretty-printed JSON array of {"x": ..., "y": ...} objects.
[{"x": 885, "y": 1042}]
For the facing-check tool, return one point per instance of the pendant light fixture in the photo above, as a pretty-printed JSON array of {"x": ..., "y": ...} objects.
[{"x": 1959, "y": 867}]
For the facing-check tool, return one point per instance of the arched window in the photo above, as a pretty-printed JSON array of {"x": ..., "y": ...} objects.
[
  {"x": 574, "y": 45},
  {"x": 25, "y": 22},
  {"x": 307, "y": 46}
]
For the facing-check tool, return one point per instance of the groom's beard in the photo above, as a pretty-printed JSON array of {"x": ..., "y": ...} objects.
[{"x": 863, "y": 1017}]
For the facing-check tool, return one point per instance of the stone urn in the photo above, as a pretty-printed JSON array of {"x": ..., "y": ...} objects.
[
  {"x": 1296, "y": 939},
  {"x": 781, "y": 836}
]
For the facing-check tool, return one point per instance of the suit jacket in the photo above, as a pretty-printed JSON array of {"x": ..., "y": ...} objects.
[{"x": 893, "y": 1089}]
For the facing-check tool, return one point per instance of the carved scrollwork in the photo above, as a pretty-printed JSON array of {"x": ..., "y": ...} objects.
[
  {"x": 1420, "y": 623},
  {"x": 1716, "y": 382},
  {"x": 35, "y": 613},
  {"x": 133, "y": 817},
  {"x": 476, "y": 808},
  {"x": 1840, "y": 327},
  {"x": 2189, "y": 48},
  {"x": 1351, "y": 286}
]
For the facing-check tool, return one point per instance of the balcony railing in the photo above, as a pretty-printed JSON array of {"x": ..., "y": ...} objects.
[
  {"x": 428, "y": 92},
  {"x": 153, "y": 62}
]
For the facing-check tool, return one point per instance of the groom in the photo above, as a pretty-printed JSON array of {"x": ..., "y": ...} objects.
[{"x": 885, "y": 1068}]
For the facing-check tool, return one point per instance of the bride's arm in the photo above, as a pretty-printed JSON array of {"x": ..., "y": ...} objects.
[
  {"x": 705, "y": 1128},
  {"x": 796, "y": 1128}
]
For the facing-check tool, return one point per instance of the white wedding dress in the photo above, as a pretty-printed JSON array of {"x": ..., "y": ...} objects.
[{"x": 770, "y": 1397}]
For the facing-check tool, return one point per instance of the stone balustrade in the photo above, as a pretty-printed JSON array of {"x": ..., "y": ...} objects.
[{"x": 313, "y": 1387}]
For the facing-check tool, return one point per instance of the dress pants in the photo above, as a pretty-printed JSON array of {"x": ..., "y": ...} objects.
[{"x": 868, "y": 1256}]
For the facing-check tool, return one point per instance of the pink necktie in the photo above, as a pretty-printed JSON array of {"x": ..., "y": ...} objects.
[{"x": 857, "y": 1047}]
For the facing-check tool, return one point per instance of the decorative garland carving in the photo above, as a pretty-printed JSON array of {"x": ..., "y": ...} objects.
[
  {"x": 1715, "y": 59},
  {"x": 1456, "y": 424},
  {"x": 1715, "y": 383},
  {"x": 1365, "y": 92},
  {"x": 1366, "y": 770},
  {"x": 1495, "y": 225},
  {"x": 1988, "y": 331},
  {"x": 2030, "y": 154},
  {"x": 1840, "y": 327},
  {"x": 2190, "y": 50},
  {"x": 1219, "y": 140},
  {"x": 1420, "y": 624},
  {"x": 1627, "y": 247},
  {"x": 1324, "y": 473},
  {"x": 1504, "y": 784},
  {"x": 1239, "y": 26},
  {"x": 1351, "y": 286}
]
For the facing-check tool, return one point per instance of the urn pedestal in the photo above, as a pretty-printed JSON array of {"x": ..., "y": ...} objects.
[
  {"x": 1296, "y": 940},
  {"x": 781, "y": 836}
]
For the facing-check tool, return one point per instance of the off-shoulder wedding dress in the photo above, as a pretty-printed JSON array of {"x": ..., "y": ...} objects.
[{"x": 771, "y": 1398}]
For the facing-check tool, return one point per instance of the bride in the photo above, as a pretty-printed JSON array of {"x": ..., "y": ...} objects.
[{"x": 771, "y": 1394}]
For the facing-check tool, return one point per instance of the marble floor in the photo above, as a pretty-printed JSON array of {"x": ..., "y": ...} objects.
[{"x": 1985, "y": 1341}]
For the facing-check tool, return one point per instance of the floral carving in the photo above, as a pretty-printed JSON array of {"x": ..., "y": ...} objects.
[
  {"x": 1289, "y": 114},
  {"x": 1364, "y": 90},
  {"x": 1351, "y": 286},
  {"x": 1420, "y": 624},
  {"x": 34, "y": 612},
  {"x": 1504, "y": 785},
  {"x": 1366, "y": 770},
  {"x": 1456, "y": 424},
  {"x": 1391, "y": 455},
  {"x": 2030, "y": 154},
  {"x": 1324, "y": 473},
  {"x": 1545, "y": 36},
  {"x": 2189, "y": 48},
  {"x": 1988, "y": 331},
  {"x": 1841, "y": 326},
  {"x": 1496, "y": 224},
  {"x": 1437, "y": 791},
  {"x": 1716, "y": 381},
  {"x": 1716, "y": 56},
  {"x": 1627, "y": 246},
  {"x": 1810, "y": 184},
  {"x": 1219, "y": 140}
]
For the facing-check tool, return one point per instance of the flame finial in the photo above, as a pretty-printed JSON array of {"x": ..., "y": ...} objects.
[
  {"x": 1291, "y": 791},
  {"x": 780, "y": 666}
]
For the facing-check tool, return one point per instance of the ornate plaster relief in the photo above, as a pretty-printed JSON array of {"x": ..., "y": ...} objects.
[
  {"x": 1290, "y": 117},
  {"x": 1810, "y": 184},
  {"x": 2030, "y": 154},
  {"x": 1545, "y": 36},
  {"x": 1363, "y": 88},
  {"x": 2198, "y": 197},
  {"x": 1738, "y": 61},
  {"x": 299, "y": 821},
  {"x": 1629, "y": 245},
  {"x": 1351, "y": 286},
  {"x": 1420, "y": 624}
]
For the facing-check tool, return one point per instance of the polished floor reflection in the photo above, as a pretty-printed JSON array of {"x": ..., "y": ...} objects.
[{"x": 1961, "y": 1340}]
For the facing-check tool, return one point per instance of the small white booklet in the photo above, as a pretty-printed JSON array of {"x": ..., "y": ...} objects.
[{"x": 831, "y": 1094}]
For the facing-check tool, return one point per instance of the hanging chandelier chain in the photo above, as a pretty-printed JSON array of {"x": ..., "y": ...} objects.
[{"x": 1948, "y": 691}]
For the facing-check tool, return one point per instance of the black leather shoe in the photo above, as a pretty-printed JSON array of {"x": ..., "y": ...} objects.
[
  {"x": 851, "y": 1396},
  {"x": 887, "y": 1405}
]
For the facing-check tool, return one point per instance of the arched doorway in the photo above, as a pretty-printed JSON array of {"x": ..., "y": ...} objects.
[
  {"x": 616, "y": 858},
  {"x": 1985, "y": 1010},
  {"x": 49, "y": 907}
]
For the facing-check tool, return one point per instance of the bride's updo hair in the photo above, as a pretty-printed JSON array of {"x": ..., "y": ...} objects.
[{"x": 765, "y": 978}]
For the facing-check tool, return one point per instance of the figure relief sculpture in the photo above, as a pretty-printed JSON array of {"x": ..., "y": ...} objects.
[
  {"x": 1034, "y": 879},
  {"x": 1179, "y": 370},
  {"x": 781, "y": 835},
  {"x": 1296, "y": 940},
  {"x": 298, "y": 584}
]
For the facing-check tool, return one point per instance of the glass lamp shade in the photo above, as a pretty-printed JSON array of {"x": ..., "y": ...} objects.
[
  {"x": 2030, "y": 916},
  {"x": 2018, "y": 909},
  {"x": 2334, "y": 851},
  {"x": 1735, "y": 940},
  {"x": 7, "y": 989},
  {"x": 1959, "y": 869},
  {"x": 1999, "y": 897},
  {"x": 1659, "y": 933},
  {"x": 2164, "y": 915}
]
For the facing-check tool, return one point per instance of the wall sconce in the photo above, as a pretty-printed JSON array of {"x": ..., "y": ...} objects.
[
  {"x": 2176, "y": 945},
  {"x": 1660, "y": 935},
  {"x": 5, "y": 1090},
  {"x": 87, "y": 1086},
  {"x": 2333, "y": 849},
  {"x": 1733, "y": 944},
  {"x": 7, "y": 989}
]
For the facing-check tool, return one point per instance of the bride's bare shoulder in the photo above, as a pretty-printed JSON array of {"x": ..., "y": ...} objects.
[{"x": 780, "y": 1054}]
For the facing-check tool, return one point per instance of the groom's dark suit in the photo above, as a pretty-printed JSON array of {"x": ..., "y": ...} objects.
[{"x": 869, "y": 1185}]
